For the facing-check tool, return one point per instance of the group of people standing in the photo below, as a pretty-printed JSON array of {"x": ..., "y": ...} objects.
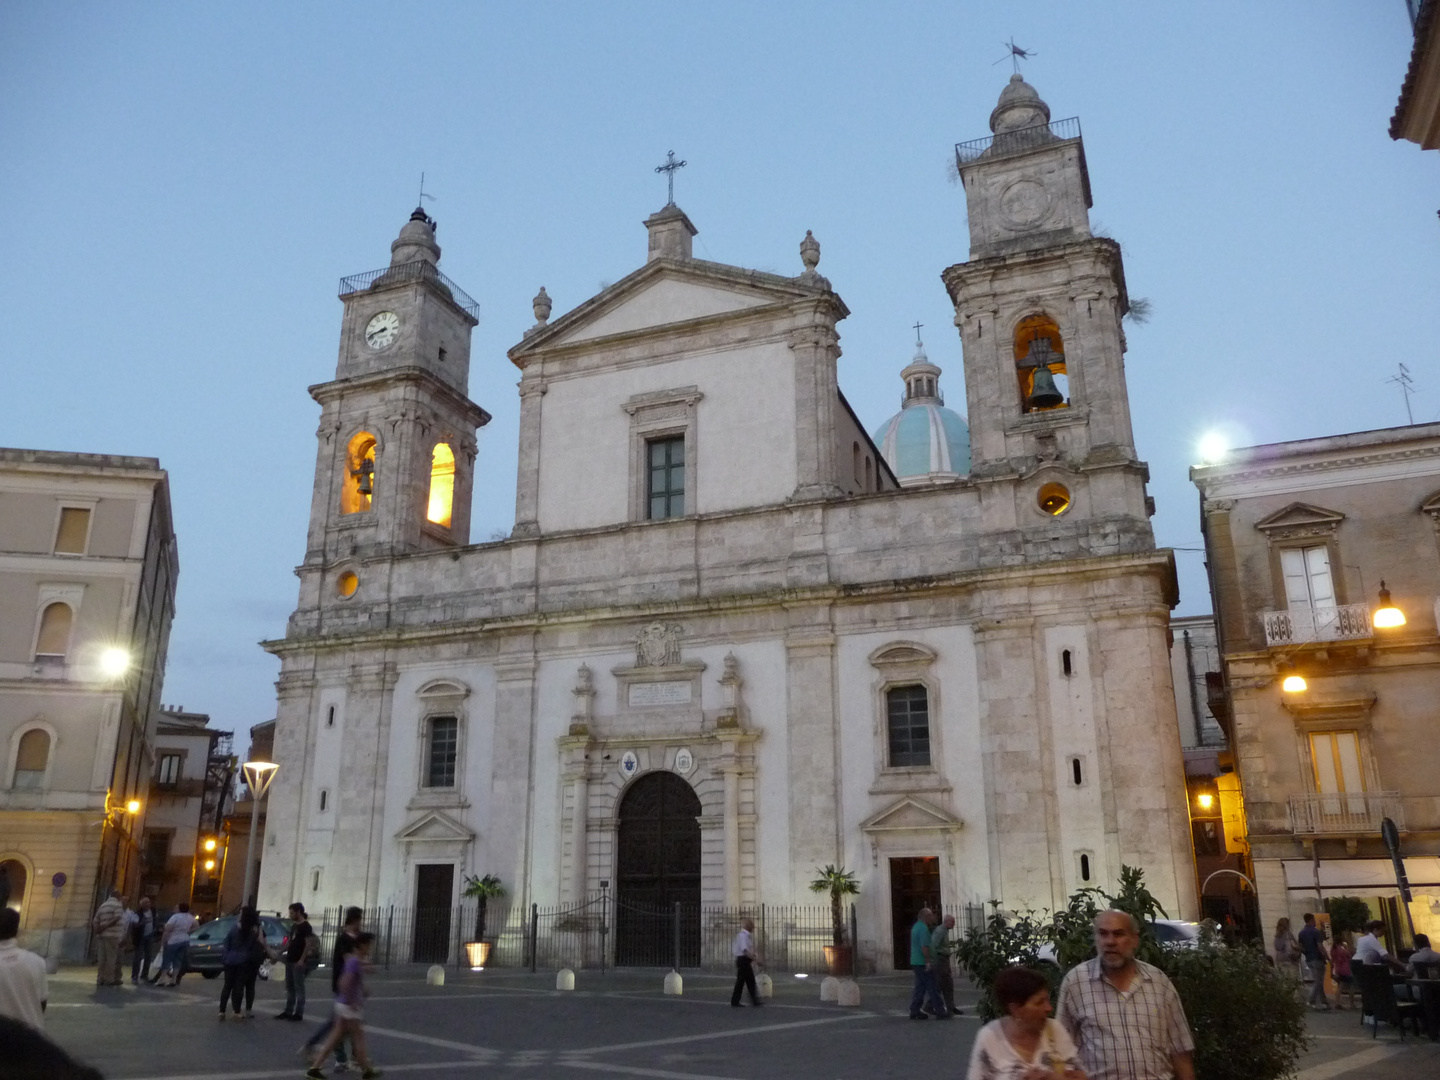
[
  {"x": 1308, "y": 951},
  {"x": 116, "y": 926}
]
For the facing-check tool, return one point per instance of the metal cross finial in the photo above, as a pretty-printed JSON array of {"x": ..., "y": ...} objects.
[
  {"x": 1015, "y": 54},
  {"x": 917, "y": 332},
  {"x": 669, "y": 170},
  {"x": 423, "y": 193}
]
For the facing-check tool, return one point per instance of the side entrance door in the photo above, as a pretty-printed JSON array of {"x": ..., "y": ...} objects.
[
  {"x": 914, "y": 884},
  {"x": 434, "y": 883}
]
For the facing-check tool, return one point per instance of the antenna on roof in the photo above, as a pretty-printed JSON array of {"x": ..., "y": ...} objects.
[
  {"x": 423, "y": 193},
  {"x": 1407, "y": 387}
]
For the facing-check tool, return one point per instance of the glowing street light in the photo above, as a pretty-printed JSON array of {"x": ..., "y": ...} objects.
[
  {"x": 258, "y": 774},
  {"x": 209, "y": 843},
  {"x": 133, "y": 806},
  {"x": 115, "y": 661},
  {"x": 1387, "y": 615},
  {"x": 1294, "y": 684},
  {"x": 1205, "y": 799},
  {"x": 209, "y": 864}
]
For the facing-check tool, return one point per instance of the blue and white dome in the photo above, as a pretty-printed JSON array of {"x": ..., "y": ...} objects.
[{"x": 924, "y": 442}]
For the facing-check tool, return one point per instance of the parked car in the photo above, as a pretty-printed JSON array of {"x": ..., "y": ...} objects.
[
  {"x": 207, "y": 943},
  {"x": 1170, "y": 933}
]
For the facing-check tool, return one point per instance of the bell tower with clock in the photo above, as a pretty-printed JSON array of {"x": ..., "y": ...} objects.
[{"x": 396, "y": 460}]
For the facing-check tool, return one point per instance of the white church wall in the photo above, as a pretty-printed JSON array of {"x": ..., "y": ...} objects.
[
  {"x": 749, "y": 394},
  {"x": 1076, "y": 762}
]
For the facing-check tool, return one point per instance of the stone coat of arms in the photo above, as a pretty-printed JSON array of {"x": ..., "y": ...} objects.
[{"x": 657, "y": 645}]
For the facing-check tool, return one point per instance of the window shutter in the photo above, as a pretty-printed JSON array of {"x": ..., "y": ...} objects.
[
  {"x": 1292, "y": 565},
  {"x": 1322, "y": 586}
]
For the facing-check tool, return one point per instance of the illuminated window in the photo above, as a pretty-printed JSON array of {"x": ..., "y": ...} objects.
[
  {"x": 359, "y": 484},
  {"x": 167, "y": 772},
  {"x": 347, "y": 583},
  {"x": 1030, "y": 329},
  {"x": 441, "y": 751},
  {"x": 74, "y": 529},
  {"x": 908, "y": 716},
  {"x": 54, "y": 637},
  {"x": 442, "y": 485},
  {"x": 31, "y": 758}
]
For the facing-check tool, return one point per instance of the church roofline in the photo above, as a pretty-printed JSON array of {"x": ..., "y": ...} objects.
[
  {"x": 786, "y": 290},
  {"x": 880, "y": 461}
]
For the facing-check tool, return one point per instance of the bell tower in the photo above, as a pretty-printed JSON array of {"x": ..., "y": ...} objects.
[
  {"x": 396, "y": 460},
  {"x": 1039, "y": 308}
]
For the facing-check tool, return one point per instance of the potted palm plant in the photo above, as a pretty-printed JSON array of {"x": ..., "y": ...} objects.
[
  {"x": 482, "y": 889},
  {"x": 838, "y": 882}
]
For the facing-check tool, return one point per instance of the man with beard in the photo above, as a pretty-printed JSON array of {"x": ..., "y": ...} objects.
[{"x": 1123, "y": 1014}]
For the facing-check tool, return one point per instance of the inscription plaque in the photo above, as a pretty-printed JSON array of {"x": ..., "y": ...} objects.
[{"x": 660, "y": 693}]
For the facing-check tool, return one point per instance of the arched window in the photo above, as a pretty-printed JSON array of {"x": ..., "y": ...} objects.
[
  {"x": 31, "y": 758},
  {"x": 1041, "y": 328},
  {"x": 855, "y": 458},
  {"x": 359, "y": 484},
  {"x": 54, "y": 637},
  {"x": 868, "y": 485},
  {"x": 442, "y": 485}
]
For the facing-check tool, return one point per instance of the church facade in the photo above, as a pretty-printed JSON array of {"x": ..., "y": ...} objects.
[{"x": 725, "y": 645}]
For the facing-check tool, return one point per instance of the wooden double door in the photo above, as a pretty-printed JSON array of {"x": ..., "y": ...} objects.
[
  {"x": 657, "y": 867},
  {"x": 914, "y": 884}
]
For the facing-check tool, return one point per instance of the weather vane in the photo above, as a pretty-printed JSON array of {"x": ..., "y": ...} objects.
[
  {"x": 1014, "y": 54},
  {"x": 423, "y": 193},
  {"x": 669, "y": 170},
  {"x": 917, "y": 332}
]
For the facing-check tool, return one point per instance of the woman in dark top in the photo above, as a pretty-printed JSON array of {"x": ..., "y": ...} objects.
[{"x": 244, "y": 952}]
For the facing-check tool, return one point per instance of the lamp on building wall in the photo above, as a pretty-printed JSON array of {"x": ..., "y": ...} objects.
[
  {"x": 1205, "y": 800},
  {"x": 1294, "y": 684},
  {"x": 115, "y": 661},
  {"x": 1387, "y": 615},
  {"x": 258, "y": 775}
]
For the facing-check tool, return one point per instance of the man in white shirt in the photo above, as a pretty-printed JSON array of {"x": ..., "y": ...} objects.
[
  {"x": 175, "y": 944},
  {"x": 22, "y": 976},
  {"x": 745, "y": 957},
  {"x": 1368, "y": 949}
]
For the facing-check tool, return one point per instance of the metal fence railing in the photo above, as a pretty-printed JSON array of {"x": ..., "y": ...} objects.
[
  {"x": 1018, "y": 141},
  {"x": 403, "y": 274}
]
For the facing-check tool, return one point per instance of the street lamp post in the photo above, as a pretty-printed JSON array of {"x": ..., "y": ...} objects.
[{"x": 259, "y": 774}]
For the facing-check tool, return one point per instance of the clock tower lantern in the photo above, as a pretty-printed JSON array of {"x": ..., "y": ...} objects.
[{"x": 396, "y": 459}]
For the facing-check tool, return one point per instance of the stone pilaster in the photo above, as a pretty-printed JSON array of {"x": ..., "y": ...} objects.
[
  {"x": 813, "y": 744},
  {"x": 513, "y": 761},
  {"x": 527, "y": 485},
  {"x": 815, "y": 349}
]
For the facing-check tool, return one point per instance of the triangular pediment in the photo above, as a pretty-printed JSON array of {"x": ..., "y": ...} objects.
[
  {"x": 1431, "y": 506},
  {"x": 910, "y": 814},
  {"x": 434, "y": 826},
  {"x": 1299, "y": 515},
  {"x": 667, "y": 292}
]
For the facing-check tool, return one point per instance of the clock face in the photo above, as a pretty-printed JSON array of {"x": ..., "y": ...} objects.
[{"x": 382, "y": 329}]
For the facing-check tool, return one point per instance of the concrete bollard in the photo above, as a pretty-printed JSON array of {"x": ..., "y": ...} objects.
[
  {"x": 849, "y": 993},
  {"x": 565, "y": 979},
  {"x": 765, "y": 985},
  {"x": 830, "y": 988},
  {"x": 674, "y": 984},
  {"x": 435, "y": 975}
]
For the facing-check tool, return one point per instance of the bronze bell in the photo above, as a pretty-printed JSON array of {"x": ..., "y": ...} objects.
[
  {"x": 1044, "y": 394},
  {"x": 367, "y": 474}
]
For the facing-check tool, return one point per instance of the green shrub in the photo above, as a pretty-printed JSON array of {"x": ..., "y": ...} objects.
[
  {"x": 1347, "y": 913},
  {"x": 1248, "y": 1020}
]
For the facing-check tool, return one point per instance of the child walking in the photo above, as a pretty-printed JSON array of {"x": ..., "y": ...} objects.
[{"x": 350, "y": 997}]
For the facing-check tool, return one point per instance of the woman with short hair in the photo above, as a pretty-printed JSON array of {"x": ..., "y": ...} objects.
[{"x": 1024, "y": 1044}]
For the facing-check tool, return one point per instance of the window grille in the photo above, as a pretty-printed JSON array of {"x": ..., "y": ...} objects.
[
  {"x": 440, "y": 759},
  {"x": 665, "y": 487},
  {"x": 908, "y": 711}
]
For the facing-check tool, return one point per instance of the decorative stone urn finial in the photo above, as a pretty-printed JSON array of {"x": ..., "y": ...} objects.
[
  {"x": 541, "y": 305},
  {"x": 810, "y": 251}
]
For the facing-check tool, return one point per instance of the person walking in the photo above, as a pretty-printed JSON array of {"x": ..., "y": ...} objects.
[
  {"x": 1024, "y": 1044},
  {"x": 108, "y": 926},
  {"x": 1312, "y": 951},
  {"x": 922, "y": 962},
  {"x": 745, "y": 960},
  {"x": 175, "y": 945},
  {"x": 1340, "y": 956},
  {"x": 1124, "y": 1015},
  {"x": 23, "y": 992},
  {"x": 302, "y": 956},
  {"x": 344, "y": 944},
  {"x": 944, "y": 971},
  {"x": 144, "y": 936},
  {"x": 1286, "y": 949},
  {"x": 243, "y": 952},
  {"x": 350, "y": 997}
]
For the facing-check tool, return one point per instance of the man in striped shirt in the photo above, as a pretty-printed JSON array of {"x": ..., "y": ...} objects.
[{"x": 1125, "y": 1015}]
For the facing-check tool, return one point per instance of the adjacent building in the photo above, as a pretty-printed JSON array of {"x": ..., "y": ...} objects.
[
  {"x": 1417, "y": 115},
  {"x": 182, "y": 846},
  {"x": 87, "y": 593},
  {"x": 732, "y": 639},
  {"x": 1325, "y": 572}
]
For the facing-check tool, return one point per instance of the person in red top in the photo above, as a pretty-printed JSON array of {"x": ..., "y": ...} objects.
[{"x": 1340, "y": 954}]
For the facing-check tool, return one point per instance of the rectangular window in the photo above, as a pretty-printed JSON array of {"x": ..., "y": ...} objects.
[
  {"x": 1336, "y": 758},
  {"x": 157, "y": 852},
  {"x": 74, "y": 529},
  {"x": 167, "y": 772},
  {"x": 1308, "y": 583},
  {"x": 665, "y": 486},
  {"x": 908, "y": 713},
  {"x": 440, "y": 754}
]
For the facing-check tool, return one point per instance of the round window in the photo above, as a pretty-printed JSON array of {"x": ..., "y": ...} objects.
[
  {"x": 346, "y": 584},
  {"x": 1054, "y": 499}
]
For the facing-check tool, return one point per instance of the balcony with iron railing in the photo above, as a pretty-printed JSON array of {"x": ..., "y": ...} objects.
[
  {"x": 404, "y": 274},
  {"x": 1018, "y": 141},
  {"x": 1304, "y": 626},
  {"x": 1348, "y": 813}
]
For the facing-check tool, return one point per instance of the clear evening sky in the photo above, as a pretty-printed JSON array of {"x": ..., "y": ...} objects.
[{"x": 182, "y": 186}]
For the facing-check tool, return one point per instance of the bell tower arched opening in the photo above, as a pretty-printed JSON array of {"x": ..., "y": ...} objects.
[
  {"x": 442, "y": 486},
  {"x": 1038, "y": 345},
  {"x": 359, "y": 485},
  {"x": 657, "y": 867}
]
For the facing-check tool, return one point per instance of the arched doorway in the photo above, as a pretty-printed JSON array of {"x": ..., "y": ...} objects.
[
  {"x": 657, "y": 867},
  {"x": 13, "y": 879}
]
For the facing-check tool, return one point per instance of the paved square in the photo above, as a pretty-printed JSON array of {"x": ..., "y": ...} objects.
[{"x": 513, "y": 1024}]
